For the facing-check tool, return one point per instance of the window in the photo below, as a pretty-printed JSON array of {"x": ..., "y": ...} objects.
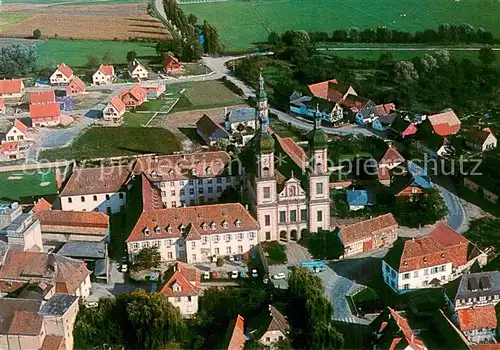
[
  {"x": 191, "y": 182},
  {"x": 172, "y": 184},
  {"x": 219, "y": 180},
  {"x": 293, "y": 215},
  {"x": 107, "y": 197},
  {"x": 178, "y": 299},
  {"x": 303, "y": 214},
  {"x": 193, "y": 245},
  {"x": 189, "y": 298},
  {"x": 282, "y": 216},
  {"x": 169, "y": 255},
  {"x": 251, "y": 235},
  {"x": 434, "y": 270},
  {"x": 120, "y": 195},
  {"x": 191, "y": 191},
  {"x": 219, "y": 189},
  {"x": 204, "y": 240},
  {"x": 163, "y": 193},
  {"x": 228, "y": 237},
  {"x": 406, "y": 276},
  {"x": 267, "y": 192},
  {"x": 182, "y": 192},
  {"x": 443, "y": 268},
  {"x": 319, "y": 216},
  {"x": 172, "y": 192},
  {"x": 267, "y": 220},
  {"x": 200, "y": 182},
  {"x": 174, "y": 204},
  {"x": 210, "y": 190},
  {"x": 443, "y": 277},
  {"x": 209, "y": 181},
  {"x": 181, "y": 254},
  {"x": 406, "y": 286},
  {"x": 82, "y": 198},
  {"x": 216, "y": 251},
  {"x": 240, "y": 236},
  {"x": 70, "y": 200},
  {"x": 228, "y": 250},
  {"x": 268, "y": 339},
  {"x": 319, "y": 188},
  {"x": 215, "y": 239},
  {"x": 200, "y": 190},
  {"x": 194, "y": 257},
  {"x": 95, "y": 198},
  {"x": 387, "y": 269},
  {"x": 240, "y": 249},
  {"x": 426, "y": 272},
  {"x": 415, "y": 274}
]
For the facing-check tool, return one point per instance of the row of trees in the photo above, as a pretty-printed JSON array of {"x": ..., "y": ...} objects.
[
  {"x": 94, "y": 61},
  {"x": 446, "y": 33}
]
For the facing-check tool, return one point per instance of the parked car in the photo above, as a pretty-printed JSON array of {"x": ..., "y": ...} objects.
[
  {"x": 234, "y": 274},
  {"x": 91, "y": 304},
  {"x": 255, "y": 274},
  {"x": 124, "y": 267},
  {"x": 279, "y": 276}
]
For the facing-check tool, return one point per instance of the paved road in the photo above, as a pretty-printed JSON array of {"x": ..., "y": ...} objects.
[
  {"x": 456, "y": 213},
  {"x": 382, "y": 48}
]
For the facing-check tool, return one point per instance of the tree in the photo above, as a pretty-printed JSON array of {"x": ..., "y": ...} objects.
[
  {"x": 354, "y": 34},
  {"x": 487, "y": 56},
  {"x": 147, "y": 259},
  {"x": 17, "y": 60},
  {"x": 325, "y": 337},
  {"x": 192, "y": 19},
  {"x": 93, "y": 61},
  {"x": 325, "y": 245},
  {"x": 37, "y": 33},
  {"x": 131, "y": 56},
  {"x": 273, "y": 38},
  {"x": 108, "y": 58},
  {"x": 405, "y": 73},
  {"x": 211, "y": 34},
  {"x": 340, "y": 35},
  {"x": 409, "y": 209}
]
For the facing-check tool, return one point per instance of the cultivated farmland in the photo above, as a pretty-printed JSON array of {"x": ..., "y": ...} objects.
[{"x": 241, "y": 23}]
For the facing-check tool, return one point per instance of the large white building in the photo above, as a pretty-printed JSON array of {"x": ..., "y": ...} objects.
[
  {"x": 429, "y": 261},
  {"x": 96, "y": 189},
  {"x": 190, "y": 179},
  {"x": 195, "y": 234}
]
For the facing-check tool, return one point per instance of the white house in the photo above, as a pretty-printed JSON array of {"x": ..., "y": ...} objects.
[
  {"x": 137, "y": 70},
  {"x": 481, "y": 140},
  {"x": 195, "y": 234},
  {"x": 62, "y": 75},
  {"x": 104, "y": 75},
  {"x": 429, "y": 261},
  {"x": 278, "y": 328},
  {"x": 96, "y": 189},
  {"x": 17, "y": 133},
  {"x": 114, "y": 110},
  {"x": 12, "y": 88},
  {"x": 478, "y": 324},
  {"x": 182, "y": 288}
]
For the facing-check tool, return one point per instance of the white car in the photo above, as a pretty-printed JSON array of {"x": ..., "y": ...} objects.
[
  {"x": 91, "y": 304},
  {"x": 234, "y": 274},
  {"x": 124, "y": 267},
  {"x": 279, "y": 276}
]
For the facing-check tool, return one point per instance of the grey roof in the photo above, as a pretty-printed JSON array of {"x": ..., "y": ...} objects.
[
  {"x": 301, "y": 101},
  {"x": 100, "y": 267},
  {"x": 485, "y": 284},
  {"x": 211, "y": 129},
  {"x": 90, "y": 250},
  {"x": 58, "y": 304},
  {"x": 241, "y": 115}
]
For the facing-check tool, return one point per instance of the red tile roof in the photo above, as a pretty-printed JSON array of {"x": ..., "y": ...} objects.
[
  {"x": 117, "y": 104},
  {"x": 26, "y": 323},
  {"x": 410, "y": 337},
  {"x": 11, "y": 86},
  {"x": 168, "y": 222},
  {"x": 477, "y": 318},
  {"x": 355, "y": 103},
  {"x": 64, "y": 69},
  {"x": 8, "y": 147},
  {"x": 41, "y": 205},
  {"x": 137, "y": 92},
  {"x": 107, "y": 69},
  {"x": 43, "y": 110},
  {"x": 42, "y": 97},
  {"x": 385, "y": 109},
  {"x": 11, "y": 286},
  {"x": 85, "y": 181},
  {"x": 294, "y": 151},
  {"x": 445, "y": 123},
  {"x": 20, "y": 126},
  {"x": 180, "y": 166},
  {"x": 73, "y": 218},
  {"x": 151, "y": 195},
  {"x": 391, "y": 157},
  {"x": 53, "y": 342},
  {"x": 183, "y": 276},
  {"x": 77, "y": 83},
  {"x": 237, "y": 341},
  {"x": 368, "y": 228},
  {"x": 171, "y": 62},
  {"x": 337, "y": 92},
  {"x": 321, "y": 89},
  {"x": 410, "y": 130}
]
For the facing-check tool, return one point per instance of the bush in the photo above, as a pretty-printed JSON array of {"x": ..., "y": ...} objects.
[
  {"x": 325, "y": 245},
  {"x": 37, "y": 33},
  {"x": 232, "y": 86},
  {"x": 275, "y": 253}
]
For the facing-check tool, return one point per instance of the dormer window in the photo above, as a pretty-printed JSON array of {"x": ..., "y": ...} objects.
[
  {"x": 214, "y": 226},
  {"x": 169, "y": 229},
  {"x": 183, "y": 228},
  {"x": 225, "y": 224},
  {"x": 209, "y": 171},
  {"x": 425, "y": 259},
  {"x": 442, "y": 256},
  {"x": 204, "y": 226},
  {"x": 405, "y": 263},
  {"x": 238, "y": 223},
  {"x": 157, "y": 229},
  {"x": 193, "y": 172},
  {"x": 147, "y": 232},
  {"x": 176, "y": 287}
]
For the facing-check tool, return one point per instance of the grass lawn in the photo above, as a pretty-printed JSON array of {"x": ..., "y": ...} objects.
[
  {"x": 8, "y": 19},
  {"x": 275, "y": 253},
  {"x": 283, "y": 129},
  {"x": 75, "y": 52},
  {"x": 16, "y": 185},
  {"x": 241, "y": 23},
  {"x": 74, "y": 2},
  {"x": 132, "y": 119},
  {"x": 102, "y": 142}
]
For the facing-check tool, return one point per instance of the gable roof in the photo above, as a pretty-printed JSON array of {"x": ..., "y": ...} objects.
[
  {"x": 385, "y": 109},
  {"x": 169, "y": 223},
  {"x": 183, "y": 276},
  {"x": 445, "y": 123},
  {"x": 41, "y": 205},
  {"x": 137, "y": 92},
  {"x": 293, "y": 150},
  {"x": 237, "y": 341},
  {"x": 64, "y": 69},
  {"x": 278, "y": 321},
  {"x": 410, "y": 337},
  {"x": 321, "y": 89},
  {"x": 391, "y": 157},
  {"x": 337, "y": 92},
  {"x": 359, "y": 197},
  {"x": 86, "y": 219},
  {"x": 85, "y": 181},
  {"x": 151, "y": 195},
  {"x": 171, "y": 61},
  {"x": 477, "y": 318},
  {"x": 368, "y": 228},
  {"x": 106, "y": 69},
  {"x": 132, "y": 66},
  {"x": 211, "y": 129},
  {"x": 117, "y": 104},
  {"x": 44, "y": 110},
  {"x": 20, "y": 126},
  {"x": 478, "y": 135},
  {"x": 77, "y": 82},
  {"x": 43, "y": 96},
  {"x": 22, "y": 325},
  {"x": 11, "y": 86}
]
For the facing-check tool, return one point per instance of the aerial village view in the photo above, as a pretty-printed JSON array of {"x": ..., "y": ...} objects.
[{"x": 249, "y": 174}]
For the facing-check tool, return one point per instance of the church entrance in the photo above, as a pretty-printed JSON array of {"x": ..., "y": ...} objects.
[
  {"x": 283, "y": 236},
  {"x": 293, "y": 235}
]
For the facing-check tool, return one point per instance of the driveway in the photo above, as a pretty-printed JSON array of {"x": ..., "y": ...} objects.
[{"x": 456, "y": 213}]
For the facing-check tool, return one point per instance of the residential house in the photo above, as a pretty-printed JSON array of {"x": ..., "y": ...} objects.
[
  {"x": 46, "y": 96},
  {"x": 45, "y": 114},
  {"x": 375, "y": 233},
  {"x": 477, "y": 289},
  {"x": 171, "y": 64},
  {"x": 41, "y": 205},
  {"x": 21, "y": 230},
  {"x": 445, "y": 123},
  {"x": 486, "y": 185},
  {"x": 478, "y": 324},
  {"x": 403, "y": 128},
  {"x": 241, "y": 124},
  {"x": 277, "y": 329},
  {"x": 2, "y": 105},
  {"x": 70, "y": 276},
  {"x": 12, "y": 88},
  {"x": 385, "y": 109},
  {"x": 195, "y": 234},
  {"x": 153, "y": 90},
  {"x": 413, "y": 182},
  {"x": 481, "y": 140},
  {"x": 359, "y": 199},
  {"x": 331, "y": 90},
  {"x": 104, "y": 75},
  {"x": 237, "y": 339},
  {"x": 365, "y": 111},
  {"x": 315, "y": 107},
  {"x": 114, "y": 110},
  {"x": 384, "y": 123},
  {"x": 182, "y": 288},
  {"x": 137, "y": 70},
  {"x": 429, "y": 261},
  {"x": 11, "y": 151},
  {"x": 391, "y": 159},
  {"x": 95, "y": 255},
  {"x": 75, "y": 87},
  {"x": 96, "y": 189},
  {"x": 134, "y": 97},
  {"x": 190, "y": 179},
  {"x": 59, "y": 316},
  {"x": 17, "y": 133},
  {"x": 210, "y": 131},
  {"x": 62, "y": 75},
  {"x": 391, "y": 330}
]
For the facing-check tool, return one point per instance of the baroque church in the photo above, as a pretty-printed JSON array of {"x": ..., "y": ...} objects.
[{"x": 288, "y": 189}]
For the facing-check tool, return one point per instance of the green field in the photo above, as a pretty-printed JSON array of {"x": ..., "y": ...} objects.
[
  {"x": 242, "y": 23},
  {"x": 8, "y": 19},
  {"x": 16, "y": 185},
  {"x": 75, "y": 52},
  {"x": 73, "y": 2},
  {"x": 100, "y": 142}
]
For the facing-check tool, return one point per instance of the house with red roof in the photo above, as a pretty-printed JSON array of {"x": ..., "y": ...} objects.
[
  {"x": 114, "y": 110},
  {"x": 171, "y": 64},
  {"x": 42, "y": 97},
  {"x": 105, "y": 74},
  {"x": 277, "y": 329},
  {"x": 75, "y": 87},
  {"x": 391, "y": 159},
  {"x": 430, "y": 261},
  {"x": 62, "y": 75},
  {"x": 10, "y": 151},
  {"x": 153, "y": 90},
  {"x": 445, "y": 123},
  {"x": 182, "y": 288},
  {"x": 134, "y": 97},
  {"x": 331, "y": 90},
  {"x": 481, "y": 140},
  {"x": 237, "y": 339},
  {"x": 11, "y": 88},
  {"x": 45, "y": 114},
  {"x": 17, "y": 133},
  {"x": 478, "y": 324}
]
